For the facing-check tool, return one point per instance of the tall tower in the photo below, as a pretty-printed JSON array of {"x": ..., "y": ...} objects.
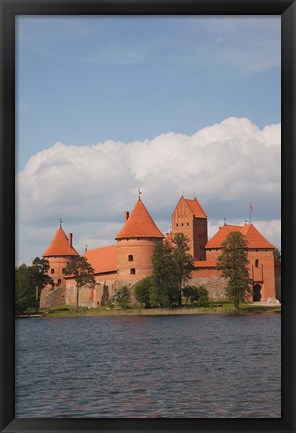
[
  {"x": 190, "y": 219},
  {"x": 59, "y": 253},
  {"x": 135, "y": 244}
]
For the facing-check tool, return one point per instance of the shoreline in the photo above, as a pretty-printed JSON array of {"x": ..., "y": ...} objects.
[{"x": 226, "y": 310}]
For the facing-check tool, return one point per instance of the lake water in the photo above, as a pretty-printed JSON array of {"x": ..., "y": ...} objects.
[{"x": 216, "y": 366}]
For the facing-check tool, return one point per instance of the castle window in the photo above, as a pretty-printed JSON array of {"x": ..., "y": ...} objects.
[
  {"x": 52, "y": 271},
  {"x": 130, "y": 258},
  {"x": 177, "y": 224},
  {"x": 188, "y": 224},
  {"x": 182, "y": 224},
  {"x": 256, "y": 263},
  {"x": 59, "y": 281},
  {"x": 64, "y": 270},
  {"x": 133, "y": 271}
]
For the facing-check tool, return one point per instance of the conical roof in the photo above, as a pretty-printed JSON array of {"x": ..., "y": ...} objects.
[
  {"x": 139, "y": 224},
  {"x": 60, "y": 246}
]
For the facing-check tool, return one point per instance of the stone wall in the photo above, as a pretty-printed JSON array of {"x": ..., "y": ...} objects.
[
  {"x": 215, "y": 286},
  {"x": 52, "y": 297}
]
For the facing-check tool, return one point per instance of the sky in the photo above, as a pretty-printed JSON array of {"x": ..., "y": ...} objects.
[{"x": 171, "y": 105}]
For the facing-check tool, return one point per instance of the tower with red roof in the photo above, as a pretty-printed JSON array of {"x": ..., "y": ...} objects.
[
  {"x": 59, "y": 253},
  {"x": 190, "y": 219},
  {"x": 135, "y": 244}
]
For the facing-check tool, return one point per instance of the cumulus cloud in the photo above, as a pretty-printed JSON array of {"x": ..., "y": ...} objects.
[{"x": 225, "y": 165}]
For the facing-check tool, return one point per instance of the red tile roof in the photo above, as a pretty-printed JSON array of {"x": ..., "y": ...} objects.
[
  {"x": 204, "y": 264},
  {"x": 252, "y": 235},
  {"x": 59, "y": 246},
  {"x": 196, "y": 208},
  {"x": 102, "y": 259},
  {"x": 140, "y": 224}
]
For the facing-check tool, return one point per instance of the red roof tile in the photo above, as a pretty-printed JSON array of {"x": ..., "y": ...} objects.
[
  {"x": 204, "y": 264},
  {"x": 252, "y": 235},
  {"x": 140, "y": 224},
  {"x": 102, "y": 259},
  {"x": 60, "y": 246},
  {"x": 196, "y": 208}
]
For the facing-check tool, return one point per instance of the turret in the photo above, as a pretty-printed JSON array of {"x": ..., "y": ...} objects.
[
  {"x": 59, "y": 253},
  {"x": 136, "y": 243},
  {"x": 190, "y": 219}
]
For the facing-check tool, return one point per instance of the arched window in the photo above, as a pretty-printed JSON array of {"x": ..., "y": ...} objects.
[
  {"x": 133, "y": 271},
  {"x": 256, "y": 263},
  {"x": 130, "y": 258},
  {"x": 59, "y": 281}
]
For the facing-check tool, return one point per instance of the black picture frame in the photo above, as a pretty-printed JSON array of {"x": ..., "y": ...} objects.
[{"x": 11, "y": 8}]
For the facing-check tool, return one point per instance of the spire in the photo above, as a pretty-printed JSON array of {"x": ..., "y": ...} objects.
[
  {"x": 139, "y": 224},
  {"x": 60, "y": 245}
]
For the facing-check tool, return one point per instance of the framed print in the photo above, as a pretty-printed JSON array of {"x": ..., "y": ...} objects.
[{"x": 147, "y": 216}]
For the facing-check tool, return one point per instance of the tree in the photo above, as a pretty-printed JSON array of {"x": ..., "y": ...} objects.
[
  {"x": 233, "y": 262},
  {"x": 82, "y": 272},
  {"x": 277, "y": 254},
  {"x": 164, "y": 291},
  {"x": 122, "y": 297},
  {"x": 183, "y": 262},
  {"x": 24, "y": 290},
  {"x": 143, "y": 292},
  {"x": 200, "y": 296},
  {"x": 38, "y": 276},
  {"x": 188, "y": 293}
]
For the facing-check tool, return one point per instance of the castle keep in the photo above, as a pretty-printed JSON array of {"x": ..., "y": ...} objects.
[{"x": 129, "y": 260}]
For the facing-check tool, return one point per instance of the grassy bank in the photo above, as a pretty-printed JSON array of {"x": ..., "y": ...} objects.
[{"x": 214, "y": 308}]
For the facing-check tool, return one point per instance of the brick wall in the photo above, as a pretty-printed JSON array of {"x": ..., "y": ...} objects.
[
  {"x": 134, "y": 258},
  {"x": 195, "y": 229},
  {"x": 56, "y": 267}
]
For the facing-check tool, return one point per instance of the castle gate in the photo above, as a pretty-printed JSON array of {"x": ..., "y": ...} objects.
[{"x": 256, "y": 292}]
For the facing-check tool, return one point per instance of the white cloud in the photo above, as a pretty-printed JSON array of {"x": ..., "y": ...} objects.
[{"x": 225, "y": 165}]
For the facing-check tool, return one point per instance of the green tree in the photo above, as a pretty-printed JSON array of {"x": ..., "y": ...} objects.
[
  {"x": 188, "y": 293},
  {"x": 143, "y": 292},
  {"x": 122, "y": 297},
  {"x": 200, "y": 296},
  {"x": 183, "y": 262},
  {"x": 233, "y": 262},
  {"x": 82, "y": 272},
  {"x": 164, "y": 291},
  {"x": 38, "y": 276},
  {"x": 24, "y": 290},
  {"x": 277, "y": 254}
]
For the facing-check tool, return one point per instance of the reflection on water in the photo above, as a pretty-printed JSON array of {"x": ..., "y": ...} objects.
[{"x": 212, "y": 366}]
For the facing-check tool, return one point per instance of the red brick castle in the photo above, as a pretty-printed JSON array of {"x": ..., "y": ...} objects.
[{"x": 129, "y": 260}]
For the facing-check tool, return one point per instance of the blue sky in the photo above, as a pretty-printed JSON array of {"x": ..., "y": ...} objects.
[
  {"x": 86, "y": 79},
  {"x": 85, "y": 84}
]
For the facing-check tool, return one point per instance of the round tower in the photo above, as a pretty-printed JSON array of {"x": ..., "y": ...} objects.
[
  {"x": 136, "y": 243},
  {"x": 59, "y": 253}
]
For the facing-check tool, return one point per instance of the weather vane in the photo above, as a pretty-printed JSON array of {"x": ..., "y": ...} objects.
[
  {"x": 61, "y": 222},
  {"x": 140, "y": 192}
]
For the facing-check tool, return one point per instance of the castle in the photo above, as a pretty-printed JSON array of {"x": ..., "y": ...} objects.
[{"x": 129, "y": 260}]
